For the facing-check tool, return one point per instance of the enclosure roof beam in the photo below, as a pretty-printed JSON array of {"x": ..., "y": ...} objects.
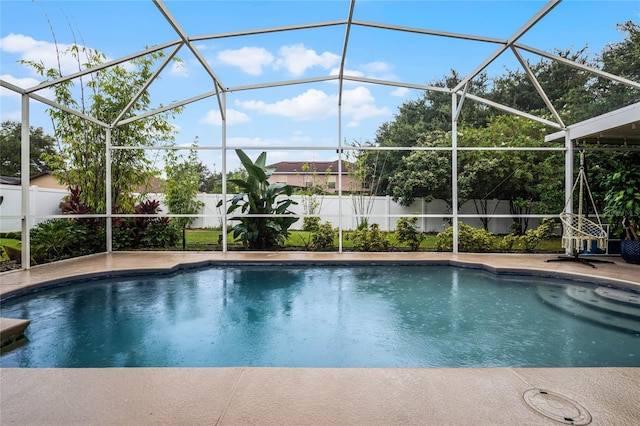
[
  {"x": 267, "y": 30},
  {"x": 429, "y": 32},
  {"x": 169, "y": 107},
  {"x": 568, "y": 62},
  {"x": 185, "y": 38},
  {"x": 513, "y": 111},
  {"x": 67, "y": 109},
  {"x": 96, "y": 68},
  {"x": 12, "y": 87},
  {"x": 526, "y": 27},
  {"x": 537, "y": 86},
  {"x": 396, "y": 84},
  {"x": 344, "y": 51},
  {"x": 281, "y": 83},
  {"x": 146, "y": 85}
]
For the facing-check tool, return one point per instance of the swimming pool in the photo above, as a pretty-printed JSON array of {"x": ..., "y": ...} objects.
[{"x": 356, "y": 316}]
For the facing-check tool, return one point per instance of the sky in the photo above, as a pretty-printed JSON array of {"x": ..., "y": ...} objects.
[{"x": 303, "y": 116}]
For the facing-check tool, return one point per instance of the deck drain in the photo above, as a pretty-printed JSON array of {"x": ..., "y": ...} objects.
[{"x": 557, "y": 407}]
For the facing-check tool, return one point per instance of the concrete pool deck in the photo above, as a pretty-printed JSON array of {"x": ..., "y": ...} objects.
[{"x": 314, "y": 396}]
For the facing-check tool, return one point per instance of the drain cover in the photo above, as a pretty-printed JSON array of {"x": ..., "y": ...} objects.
[{"x": 557, "y": 407}]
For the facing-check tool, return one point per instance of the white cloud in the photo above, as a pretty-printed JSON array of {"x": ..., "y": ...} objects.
[
  {"x": 233, "y": 117},
  {"x": 306, "y": 106},
  {"x": 15, "y": 115},
  {"x": 40, "y": 51},
  {"x": 400, "y": 92},
  {"x": 179, "y": 69},
  {"x": 358, "y": 104},
  {"x": 250, "y": 59},
  {"x": 296, "y": 59},
  {"x": 24, "y": 83}
]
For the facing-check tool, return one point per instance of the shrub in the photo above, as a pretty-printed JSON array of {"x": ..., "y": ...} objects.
[
  {"x": 470, "y": 239},
  {"x": 161, "y": 234},
  {"x": 311, "y": 224},
  {"x": 407, "y": 232},
  {"x": 531, "y": 239},
  {"x": 322, "y": 239},
  {"x": 57, "y": 239},
  {"x": 370, "y": 239}
]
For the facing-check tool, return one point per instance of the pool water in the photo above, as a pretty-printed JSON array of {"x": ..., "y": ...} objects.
[{"x": 288, "y": 316}]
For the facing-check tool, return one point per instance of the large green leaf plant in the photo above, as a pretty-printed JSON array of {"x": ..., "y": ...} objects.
[
  {"x": 622, "y": 201},
  {"x": 258, "y": 200}
]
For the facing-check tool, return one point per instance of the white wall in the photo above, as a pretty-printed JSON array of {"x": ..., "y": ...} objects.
[
  {"x": 42, "y": 202},
  {"x": 46, "y": 201}
]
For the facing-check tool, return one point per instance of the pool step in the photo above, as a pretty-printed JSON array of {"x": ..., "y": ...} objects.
[
  {"x": 586, "y": 303},
  {"x": 11, "y": 331},
  {"x": 589, "y": 297}
]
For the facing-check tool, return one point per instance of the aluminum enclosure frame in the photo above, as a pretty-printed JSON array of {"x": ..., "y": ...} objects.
[{"x": 458, "y": 94}]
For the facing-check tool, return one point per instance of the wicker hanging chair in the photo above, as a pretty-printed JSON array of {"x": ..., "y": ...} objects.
[{"x": 577, "y": 229}]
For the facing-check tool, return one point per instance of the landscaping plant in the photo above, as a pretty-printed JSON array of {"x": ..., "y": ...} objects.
[{"x": 257, "y": 199}]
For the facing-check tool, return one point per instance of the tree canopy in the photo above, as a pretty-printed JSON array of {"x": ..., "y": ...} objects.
[
  {"x": 529, "y": 180},
  {"x": 10, "y": 149},
  {"x": 81, "y": 160}
]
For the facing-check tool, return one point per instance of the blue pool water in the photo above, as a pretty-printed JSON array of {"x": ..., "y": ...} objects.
[{"x": 369, "y": 316}]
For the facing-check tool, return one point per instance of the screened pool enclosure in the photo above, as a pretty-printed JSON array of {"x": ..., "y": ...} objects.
[{"x": 344, "y": 27}]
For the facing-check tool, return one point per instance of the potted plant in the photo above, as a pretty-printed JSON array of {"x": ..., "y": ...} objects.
[{"x": 622, "y": 209}]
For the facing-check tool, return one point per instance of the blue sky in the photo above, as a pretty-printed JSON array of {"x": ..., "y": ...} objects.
[{"x": 301, "y": 115}]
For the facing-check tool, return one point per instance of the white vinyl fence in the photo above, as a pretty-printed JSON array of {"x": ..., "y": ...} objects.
[{"x": 380, "y": 210}]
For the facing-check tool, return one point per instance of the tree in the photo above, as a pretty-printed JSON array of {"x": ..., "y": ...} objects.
[
  {"x": 182, "y": 187},
  {"x": 622, "y": 59},
  {"x": 81, "y": 160},
  {"x": 424, "y": 174},
  {"x": 259, "y": 199},
  {"x": 429, "y": 113},
  {"x": 520, "y": 177},
  {"x": 566, "y": 87},
  {"x": 10, "y": 149}
]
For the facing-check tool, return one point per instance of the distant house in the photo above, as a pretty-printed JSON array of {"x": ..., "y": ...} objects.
[
  {"x": 47, "y": 180},
  {"x": 41, "y": 180},
  {"x": 319, "y": 174}
]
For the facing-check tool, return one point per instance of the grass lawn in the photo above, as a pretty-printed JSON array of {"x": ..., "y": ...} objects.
[
  {"x": 208, "y": 239},
  {"x": 9, "y": 242}
]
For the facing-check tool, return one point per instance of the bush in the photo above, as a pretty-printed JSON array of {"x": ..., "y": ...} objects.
[
  {"x": 370, "y": 239},
  {"x": 57, "y": 239},
  {"x": 407, "y": 232},
  {"x": 531, "y": 239},
  {"x": 311, "y": 224},
  {"x": 470, "y": 239},
  {"x": 162, "y": 234},
  {"x": 322, "y": 239}
]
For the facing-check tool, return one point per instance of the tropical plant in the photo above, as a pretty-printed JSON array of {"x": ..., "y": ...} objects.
[
  {"x": 57, "y": 239},
  {"x": 266, "y": 219},
  {"x": 622, "y": 201}
]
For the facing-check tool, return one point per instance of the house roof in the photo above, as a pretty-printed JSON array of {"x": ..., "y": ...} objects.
[
  {"x": 319, "y": 167},
  {"x": 9, "y": 180}
]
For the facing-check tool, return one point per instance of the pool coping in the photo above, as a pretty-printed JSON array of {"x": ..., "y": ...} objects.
[
  {"x": 282, "y": 396},
  {"x": 490, "y": 263}
]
